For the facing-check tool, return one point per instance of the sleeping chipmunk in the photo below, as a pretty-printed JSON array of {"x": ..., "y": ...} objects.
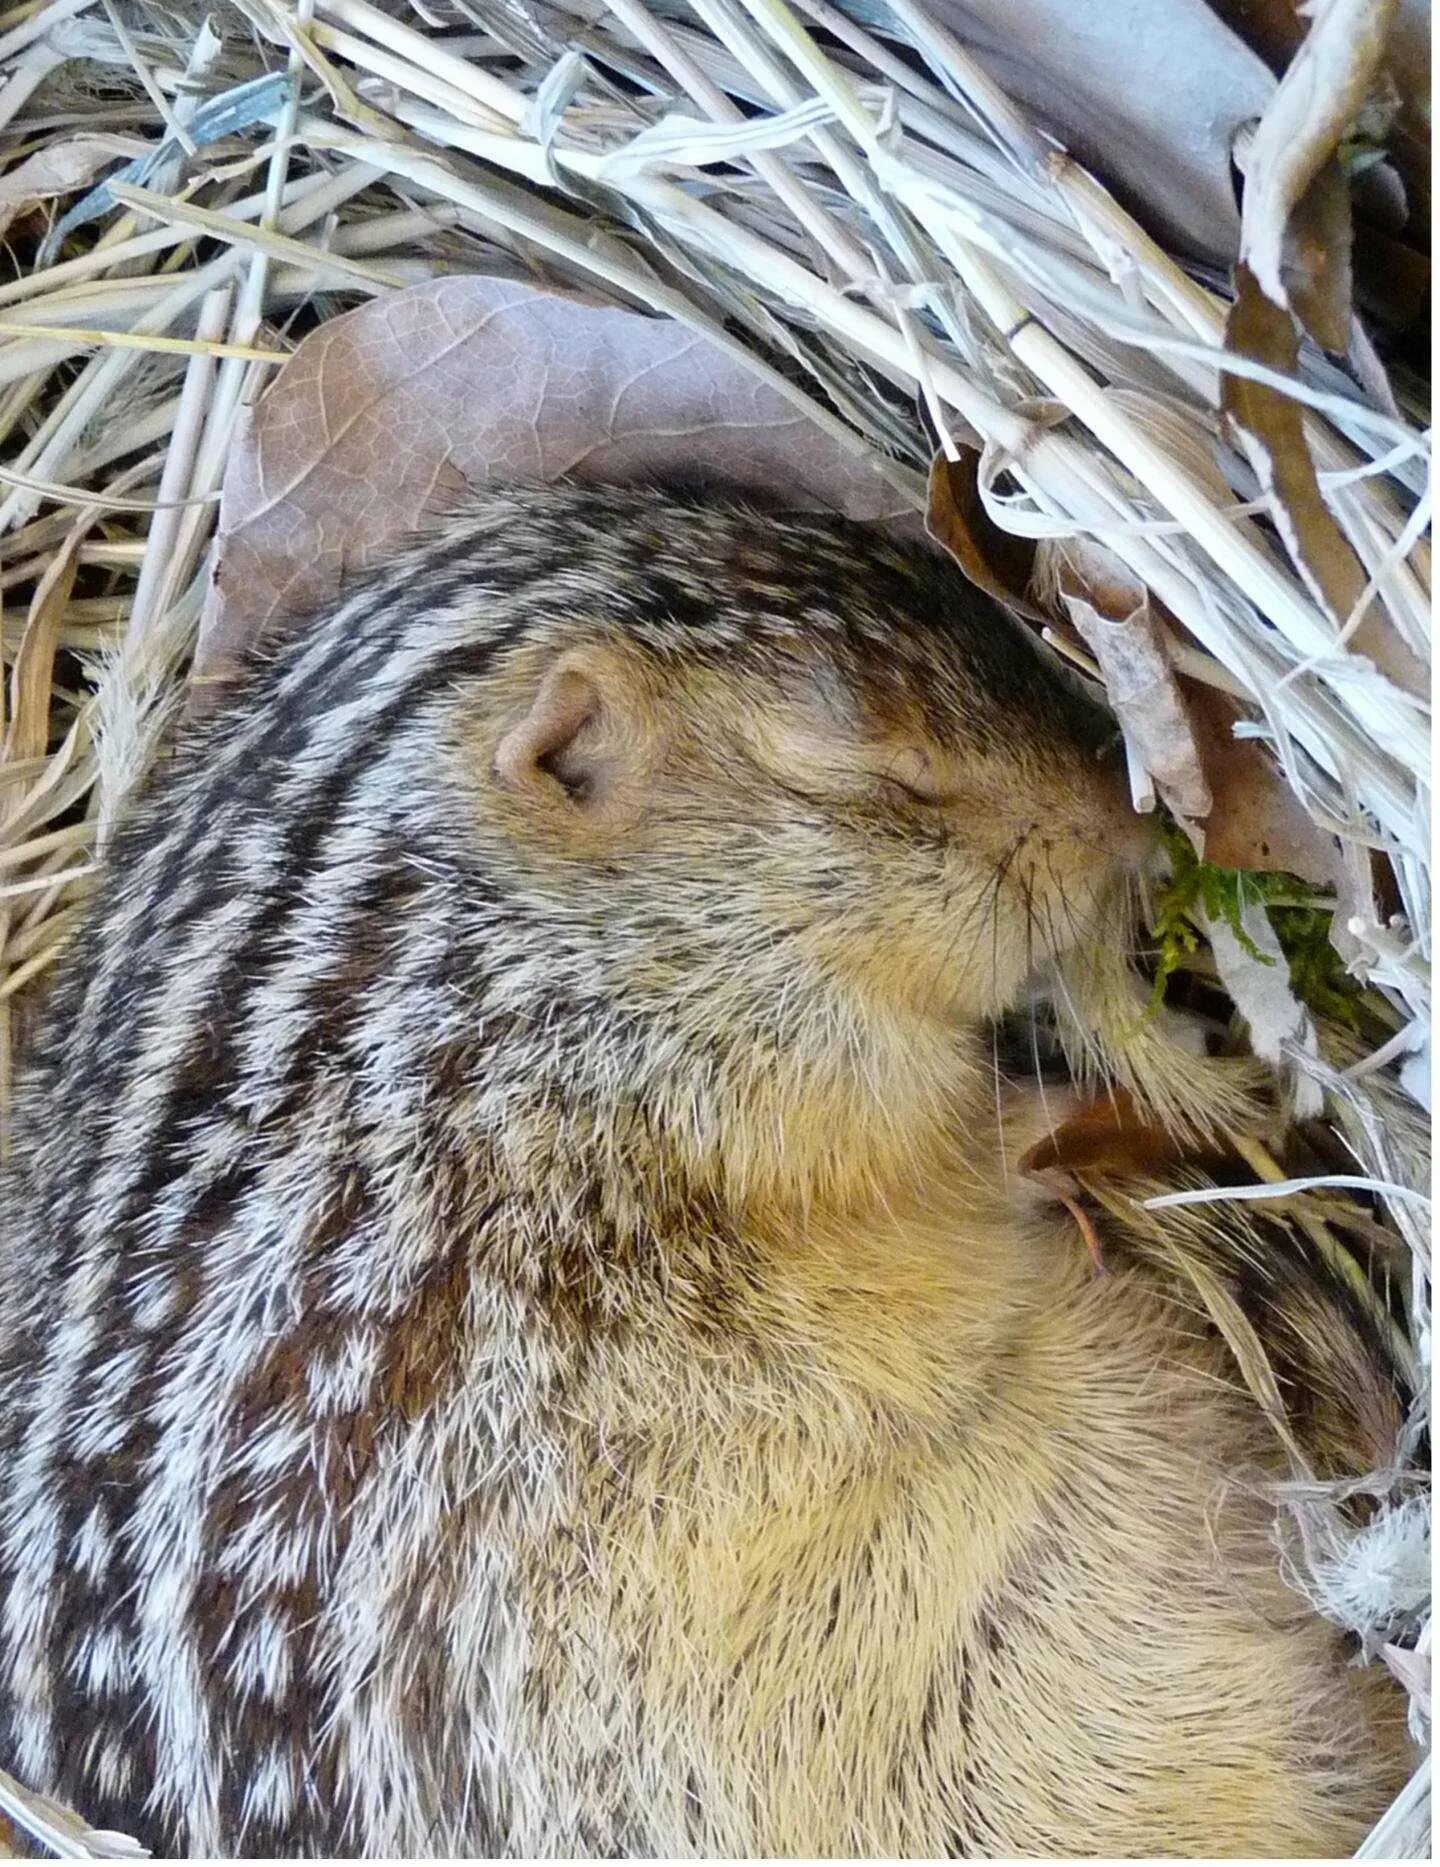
[{"x": 516, "y": 1337}]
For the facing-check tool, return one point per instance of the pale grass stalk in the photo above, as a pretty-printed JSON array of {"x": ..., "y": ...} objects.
[
  {"x": 88, "y": 303},
  {"x": 780, "y": 89},
  {"x": 18, "y": 398},
  {"x": 38, "y": 489},
  {"x": 138, "y": 340},
  {"x": 139, "y": 246},
  {"x": 1341, "y": 1263},
  {"x": 17, "y": 770},
  {"x": 28, "y": 939},
  {"x": 35, "y": 884},
  {"x": 145, "y": 428},
  {"x": 250, "y": 303},
  {"x": 64, "y": 780},
  {"x": 28, "y": 74},
  {"x": 175, "y": 481},
  {"x": 668, "y": 52},
  {"x": 384, "y": 232},
  {"x": 13, "y": 981},
  {"x": 37, "y": 846},
  {"x": 259, "y": 239},
  {"x": 58, "y": 434},
  {"x": 34, "y": 363},
  {"x": 142, "y": 71},
  {"x": 413, "y": 78},
  {"x": 39, "y": 21},
  {"x": 472, "y": 81}
]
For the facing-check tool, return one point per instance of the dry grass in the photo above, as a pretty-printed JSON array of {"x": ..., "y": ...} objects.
[{"x": 888, "y": 232}]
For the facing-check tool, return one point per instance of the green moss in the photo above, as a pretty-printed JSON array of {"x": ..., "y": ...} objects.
[
  {"x": 1317, "y": 972},
  {"x": 1198, "y": 891}
]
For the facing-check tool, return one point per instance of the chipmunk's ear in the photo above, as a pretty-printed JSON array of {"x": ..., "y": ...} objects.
[{"x": 579, "y": 741}]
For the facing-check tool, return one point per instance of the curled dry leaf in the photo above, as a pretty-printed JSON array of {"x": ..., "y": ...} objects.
[
  {"x": 1271, "y": 428},
  {"x": 1256, "y": 821},
  {"x": 997, "y": 562},
  {"x": 58, "y": 169},
  {"x": 392, "y": 410},
  {"x": 1317, "y": 265},
  {"x": 1108, "y": 1137},
  {"x": 1295, "y": 217},
  {"x": 1111, "y": 609}
]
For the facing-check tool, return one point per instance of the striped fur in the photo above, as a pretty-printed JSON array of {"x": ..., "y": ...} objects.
[{"x": 515, "y": 1337}]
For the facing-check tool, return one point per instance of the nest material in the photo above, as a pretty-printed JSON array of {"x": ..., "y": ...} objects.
[{"x": 842, "y": 195}]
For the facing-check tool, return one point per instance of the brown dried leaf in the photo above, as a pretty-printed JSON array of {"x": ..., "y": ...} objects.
[
  {"x": 997, "y": 562},
  {"x": 59, "y": 169},
  {"x": 1256, "y": 821},
  {"x": 1111, "y": 609},
  {"x": 1106, "y": 1138},
  {"x": 1322, "y": 92},
  {"x": 391, "y": 410},
  {"x": 1271, "y": 428},
  {"x": 1316, "y": 265}
]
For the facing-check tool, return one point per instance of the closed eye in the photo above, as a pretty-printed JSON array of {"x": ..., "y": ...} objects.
[
  {"x": 908, "y": 792},
  {"x": 910, "y": 774}
]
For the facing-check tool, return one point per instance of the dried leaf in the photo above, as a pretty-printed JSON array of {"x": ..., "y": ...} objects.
[
  {"x": 1106, "y": 1138},
  {"x": 386, "y": 412},
  {"x": 1111, "y": 609},
  {"x": 996, "y": 561},
  {"x": 1256, "y": 821},
  {"x": 1319, "y": 97},
  {"x": 59, "y": 169},
  {"x": 1316, "y": 263},
  {"x": 1271, "y": 428}
]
